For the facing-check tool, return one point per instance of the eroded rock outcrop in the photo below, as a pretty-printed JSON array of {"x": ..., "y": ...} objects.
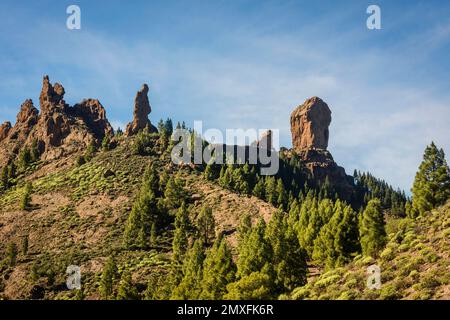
[
  {"x": 51, "y": 97},
  {"x": 4, "y": 130},
  {"x": 309, "y": 125},
  {"x": 94, "y": 114},
  {"x": 58, "y": 129},
  {"x": 25, "y": 121},
  {"x": 141, "y": 111}
]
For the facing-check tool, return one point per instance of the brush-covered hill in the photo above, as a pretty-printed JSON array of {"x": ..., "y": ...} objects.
[
  {"x": 140, "y": 226},
  {"x": 78, "y": 212},
  {"x": 415, "y": 264}
]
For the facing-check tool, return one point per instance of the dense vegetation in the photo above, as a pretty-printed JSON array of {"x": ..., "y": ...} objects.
[{"x": 168, "y": 233}]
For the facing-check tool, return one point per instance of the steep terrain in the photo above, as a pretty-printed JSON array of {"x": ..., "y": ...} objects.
[
  {"x": 414, "y": 265},
  {"x": 78, "y": 216},
  {"x": 72, "y": 189}
]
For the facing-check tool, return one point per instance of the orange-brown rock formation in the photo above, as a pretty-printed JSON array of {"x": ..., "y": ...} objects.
[
  {"x": 141, "y": 111},
  {"x": 309, "y": 125}
]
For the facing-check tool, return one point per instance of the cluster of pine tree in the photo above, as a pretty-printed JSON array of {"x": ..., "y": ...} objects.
[
  {"x": 244, "y": 179},
  {"x": 165, "y": 129},
  {"x": 370, "y": 188},
  {"x": 158, "y": 195},
  {"x": 313, "y": 225},
  {"x": 27, "y": 156}
]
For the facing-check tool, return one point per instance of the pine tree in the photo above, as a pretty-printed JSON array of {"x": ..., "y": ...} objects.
[
  {"x": 109, "y": 275},
  {"x": 432, "y": 182},
  {"x": 282, "y": 195},
  {"x": 106, "y": 143},
  {"x": 174, "y": 193},
  {"x": 372, "y": 231},
  {"x": 271, "y": 191},
  {"x": 209, "y": 172},
  {"x": 133, "y": 228},
  {"x": 168, "y": 126},
  {"x": 337, "y": 241},
  {"x": 255, "y": 286},
  {"x": 119, "y": 133},
  {"x": 11, "y": 254},
  {"x": 12, "y": 171},
  {"x": 26, "y": 196},
  {"x": 145, "y": 213},
  {"x": 226, "y": 177},
  {"x": 126, "y": 290},
  {"x": 190, "y": 285},
  {"x": 181, "y": 233},
  {"x": 347, "y": 237},
  {"x": 24, "y": 158},
  {"x": 240, "y": 185},
  {"x": 25, "y": 245},
  {"x": 153, "y": 235},
  {"x": 255, "y": 252},
  {"x": 160, "y": 126},
  {"x": 218, "y": 271},
  {"x": 259, "y": 189},
  {"x": 288, "y": 260},
  {"x": 244, "y": 228},
  {"x": 206, "y": 225},
  {"x": 307, "y": 209},
  {"x": 318, "y": 217}
]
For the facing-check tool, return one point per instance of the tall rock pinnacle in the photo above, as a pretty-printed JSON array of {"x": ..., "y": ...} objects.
[
  {"x": 309, "y": 125},
  {"x": 51, "y": 96},
  {"x": 141, "y": 111}
]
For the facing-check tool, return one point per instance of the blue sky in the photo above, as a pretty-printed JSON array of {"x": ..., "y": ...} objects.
[{"x": 248, "y": 64}]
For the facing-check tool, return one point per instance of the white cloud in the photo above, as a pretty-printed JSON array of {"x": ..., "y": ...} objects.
[{"x": 381, "y": 122}]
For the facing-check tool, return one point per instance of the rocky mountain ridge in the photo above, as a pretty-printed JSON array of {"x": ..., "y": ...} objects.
[{"x": 60, "y": 129}]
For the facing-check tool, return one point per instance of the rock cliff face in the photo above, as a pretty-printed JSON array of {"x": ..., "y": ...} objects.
[
  {"x": 94, "y": 114},
  {"x": 309, "y": 127},
  {"x": 58, "y": 129},
  {"x": 141, "y": 111},
  {"x": 4, "y": 130}
]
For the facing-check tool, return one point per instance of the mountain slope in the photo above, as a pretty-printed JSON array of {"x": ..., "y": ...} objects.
[
  {"x": 414, "y": 265},
  {"x": 78, "y": 215}
]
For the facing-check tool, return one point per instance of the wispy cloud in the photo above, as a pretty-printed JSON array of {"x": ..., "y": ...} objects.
[{"x": 384, "y": 111}]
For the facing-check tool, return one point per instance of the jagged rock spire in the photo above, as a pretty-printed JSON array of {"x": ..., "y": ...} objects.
[{"x": 141, "y": 111}]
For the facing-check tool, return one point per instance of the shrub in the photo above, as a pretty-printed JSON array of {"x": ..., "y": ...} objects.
[
  {"x": 325, "y": 282},
  {"x": 389, "y": 292},
  {"x": 348, "y": 295},
  {"x": 301, "y": 293}
]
